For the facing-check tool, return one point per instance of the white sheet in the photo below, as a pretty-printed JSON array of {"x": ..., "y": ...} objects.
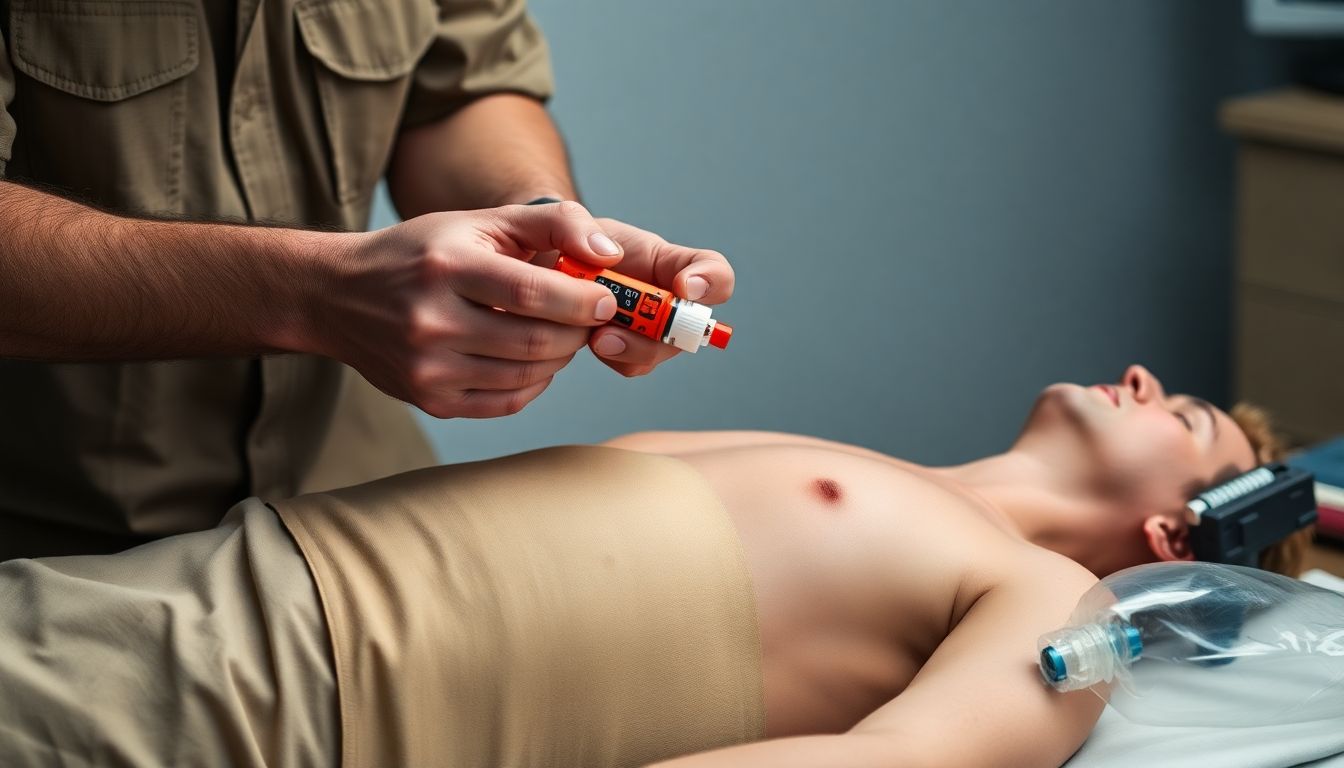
[{"x": 1120, "y": 743}]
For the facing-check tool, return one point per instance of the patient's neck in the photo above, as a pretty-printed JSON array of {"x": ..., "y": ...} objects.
[{"x": 1045, "y": 506}]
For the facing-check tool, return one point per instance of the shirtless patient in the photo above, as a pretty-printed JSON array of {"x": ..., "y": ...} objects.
[
  {"x": 932, "y": 584},
  {"x": 897, "y": 605}
]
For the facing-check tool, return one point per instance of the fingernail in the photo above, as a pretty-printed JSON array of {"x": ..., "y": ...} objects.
[
  {"x": 609, "y": 346},
  {"x": 606, "y": 308},
  {"x": 696, "y": 286},
  {"x": 603, "y": 245}
]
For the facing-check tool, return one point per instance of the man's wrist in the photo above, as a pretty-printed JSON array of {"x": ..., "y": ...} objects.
[{"x": 311, "y": 263}]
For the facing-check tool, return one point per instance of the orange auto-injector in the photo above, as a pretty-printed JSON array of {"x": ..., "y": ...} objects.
[{"x": 652, "y": 311}]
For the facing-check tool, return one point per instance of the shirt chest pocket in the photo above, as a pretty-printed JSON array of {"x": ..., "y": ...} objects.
[
  {"x": 365, "y": 53},
  {"x": 101, "y": 104}
]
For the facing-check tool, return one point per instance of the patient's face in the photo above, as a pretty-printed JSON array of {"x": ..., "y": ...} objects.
[{"x": 1135, "y": 443}]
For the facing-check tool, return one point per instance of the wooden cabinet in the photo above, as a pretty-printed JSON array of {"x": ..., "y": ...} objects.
[{"x": 1288, "y": 348}]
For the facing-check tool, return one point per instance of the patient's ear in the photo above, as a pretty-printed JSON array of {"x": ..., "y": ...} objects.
[{"x": 1168, "y": 538}]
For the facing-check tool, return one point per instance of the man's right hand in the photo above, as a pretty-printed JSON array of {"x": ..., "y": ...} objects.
[{"x": 415, "y": 307}]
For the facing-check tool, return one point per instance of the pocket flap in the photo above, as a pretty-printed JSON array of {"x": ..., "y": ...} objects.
[
  {"x": 365, "y": 40},
  {"x": 105, "y": 50}
]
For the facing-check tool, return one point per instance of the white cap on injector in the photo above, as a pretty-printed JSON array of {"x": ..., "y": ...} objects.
[{"x": 692, "y": 327}]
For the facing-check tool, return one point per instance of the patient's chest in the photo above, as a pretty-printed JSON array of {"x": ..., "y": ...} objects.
[{"x": 856, "y": 565}]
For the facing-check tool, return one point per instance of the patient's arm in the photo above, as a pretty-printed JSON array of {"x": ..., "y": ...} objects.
[{"x": 978, "y": 701}]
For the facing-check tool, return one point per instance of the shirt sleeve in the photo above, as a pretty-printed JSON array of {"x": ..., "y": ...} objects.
[
  {"x": 480, "y": 47},
  {"x": 7, "y": 127}
]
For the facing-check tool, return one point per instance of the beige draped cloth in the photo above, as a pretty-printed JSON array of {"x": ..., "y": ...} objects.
[
  {"x": 575, "y": 606},
  {"x": 566, "y": 607}
]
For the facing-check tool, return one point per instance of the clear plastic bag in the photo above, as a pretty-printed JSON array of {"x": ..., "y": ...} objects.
[{"x": 1204, "y": 644}]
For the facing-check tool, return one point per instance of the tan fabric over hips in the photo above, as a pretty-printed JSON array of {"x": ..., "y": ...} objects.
[{"x": 574, "y": 606}]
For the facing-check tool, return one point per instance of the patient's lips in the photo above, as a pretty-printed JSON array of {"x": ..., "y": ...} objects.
[{"x": 1110, "y": 393}]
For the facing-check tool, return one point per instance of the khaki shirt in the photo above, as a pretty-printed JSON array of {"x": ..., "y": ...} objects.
[{"x": 255, "y": 110}]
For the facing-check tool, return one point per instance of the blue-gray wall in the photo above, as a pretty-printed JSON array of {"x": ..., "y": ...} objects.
[{"x": 934, "y": 208}]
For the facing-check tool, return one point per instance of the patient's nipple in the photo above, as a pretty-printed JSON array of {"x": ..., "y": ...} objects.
[{"x": 827, "y": 490}]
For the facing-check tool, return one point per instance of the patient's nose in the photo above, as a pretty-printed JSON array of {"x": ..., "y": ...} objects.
[{"x": 1142, "y": 384}]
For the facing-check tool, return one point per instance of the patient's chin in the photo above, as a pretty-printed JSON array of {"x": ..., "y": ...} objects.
[
  {"x": 1059, "y": 406},
  {"x": 1071, "y": 397}
]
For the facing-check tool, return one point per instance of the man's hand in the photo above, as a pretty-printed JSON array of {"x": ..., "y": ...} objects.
[
  {"x": 416, "y": 308},
  {"x": 691, "y": 273},
  {"x": 504, "y": 148}
]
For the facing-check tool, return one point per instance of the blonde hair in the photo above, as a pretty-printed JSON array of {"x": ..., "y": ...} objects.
[{"x": 1286, "y": 555}]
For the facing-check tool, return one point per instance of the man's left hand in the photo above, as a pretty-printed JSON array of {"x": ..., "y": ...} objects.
[{"x": 697, "y": 274}]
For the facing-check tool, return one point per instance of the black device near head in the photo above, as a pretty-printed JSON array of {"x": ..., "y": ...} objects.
[{"x": 1235, "y": 521}]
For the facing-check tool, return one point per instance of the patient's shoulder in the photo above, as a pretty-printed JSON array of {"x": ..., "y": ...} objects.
[
  {"x": 1032, "y": 580},
  {"x": 1042, "y": 569}
]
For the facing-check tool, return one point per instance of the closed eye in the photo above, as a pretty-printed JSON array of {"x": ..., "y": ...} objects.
[{"x": 1185, "y": 420}]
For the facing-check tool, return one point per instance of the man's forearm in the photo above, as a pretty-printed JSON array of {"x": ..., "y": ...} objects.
[
  {"x": 497, "y": 150},
  {"x": 80, "y": 284}
]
